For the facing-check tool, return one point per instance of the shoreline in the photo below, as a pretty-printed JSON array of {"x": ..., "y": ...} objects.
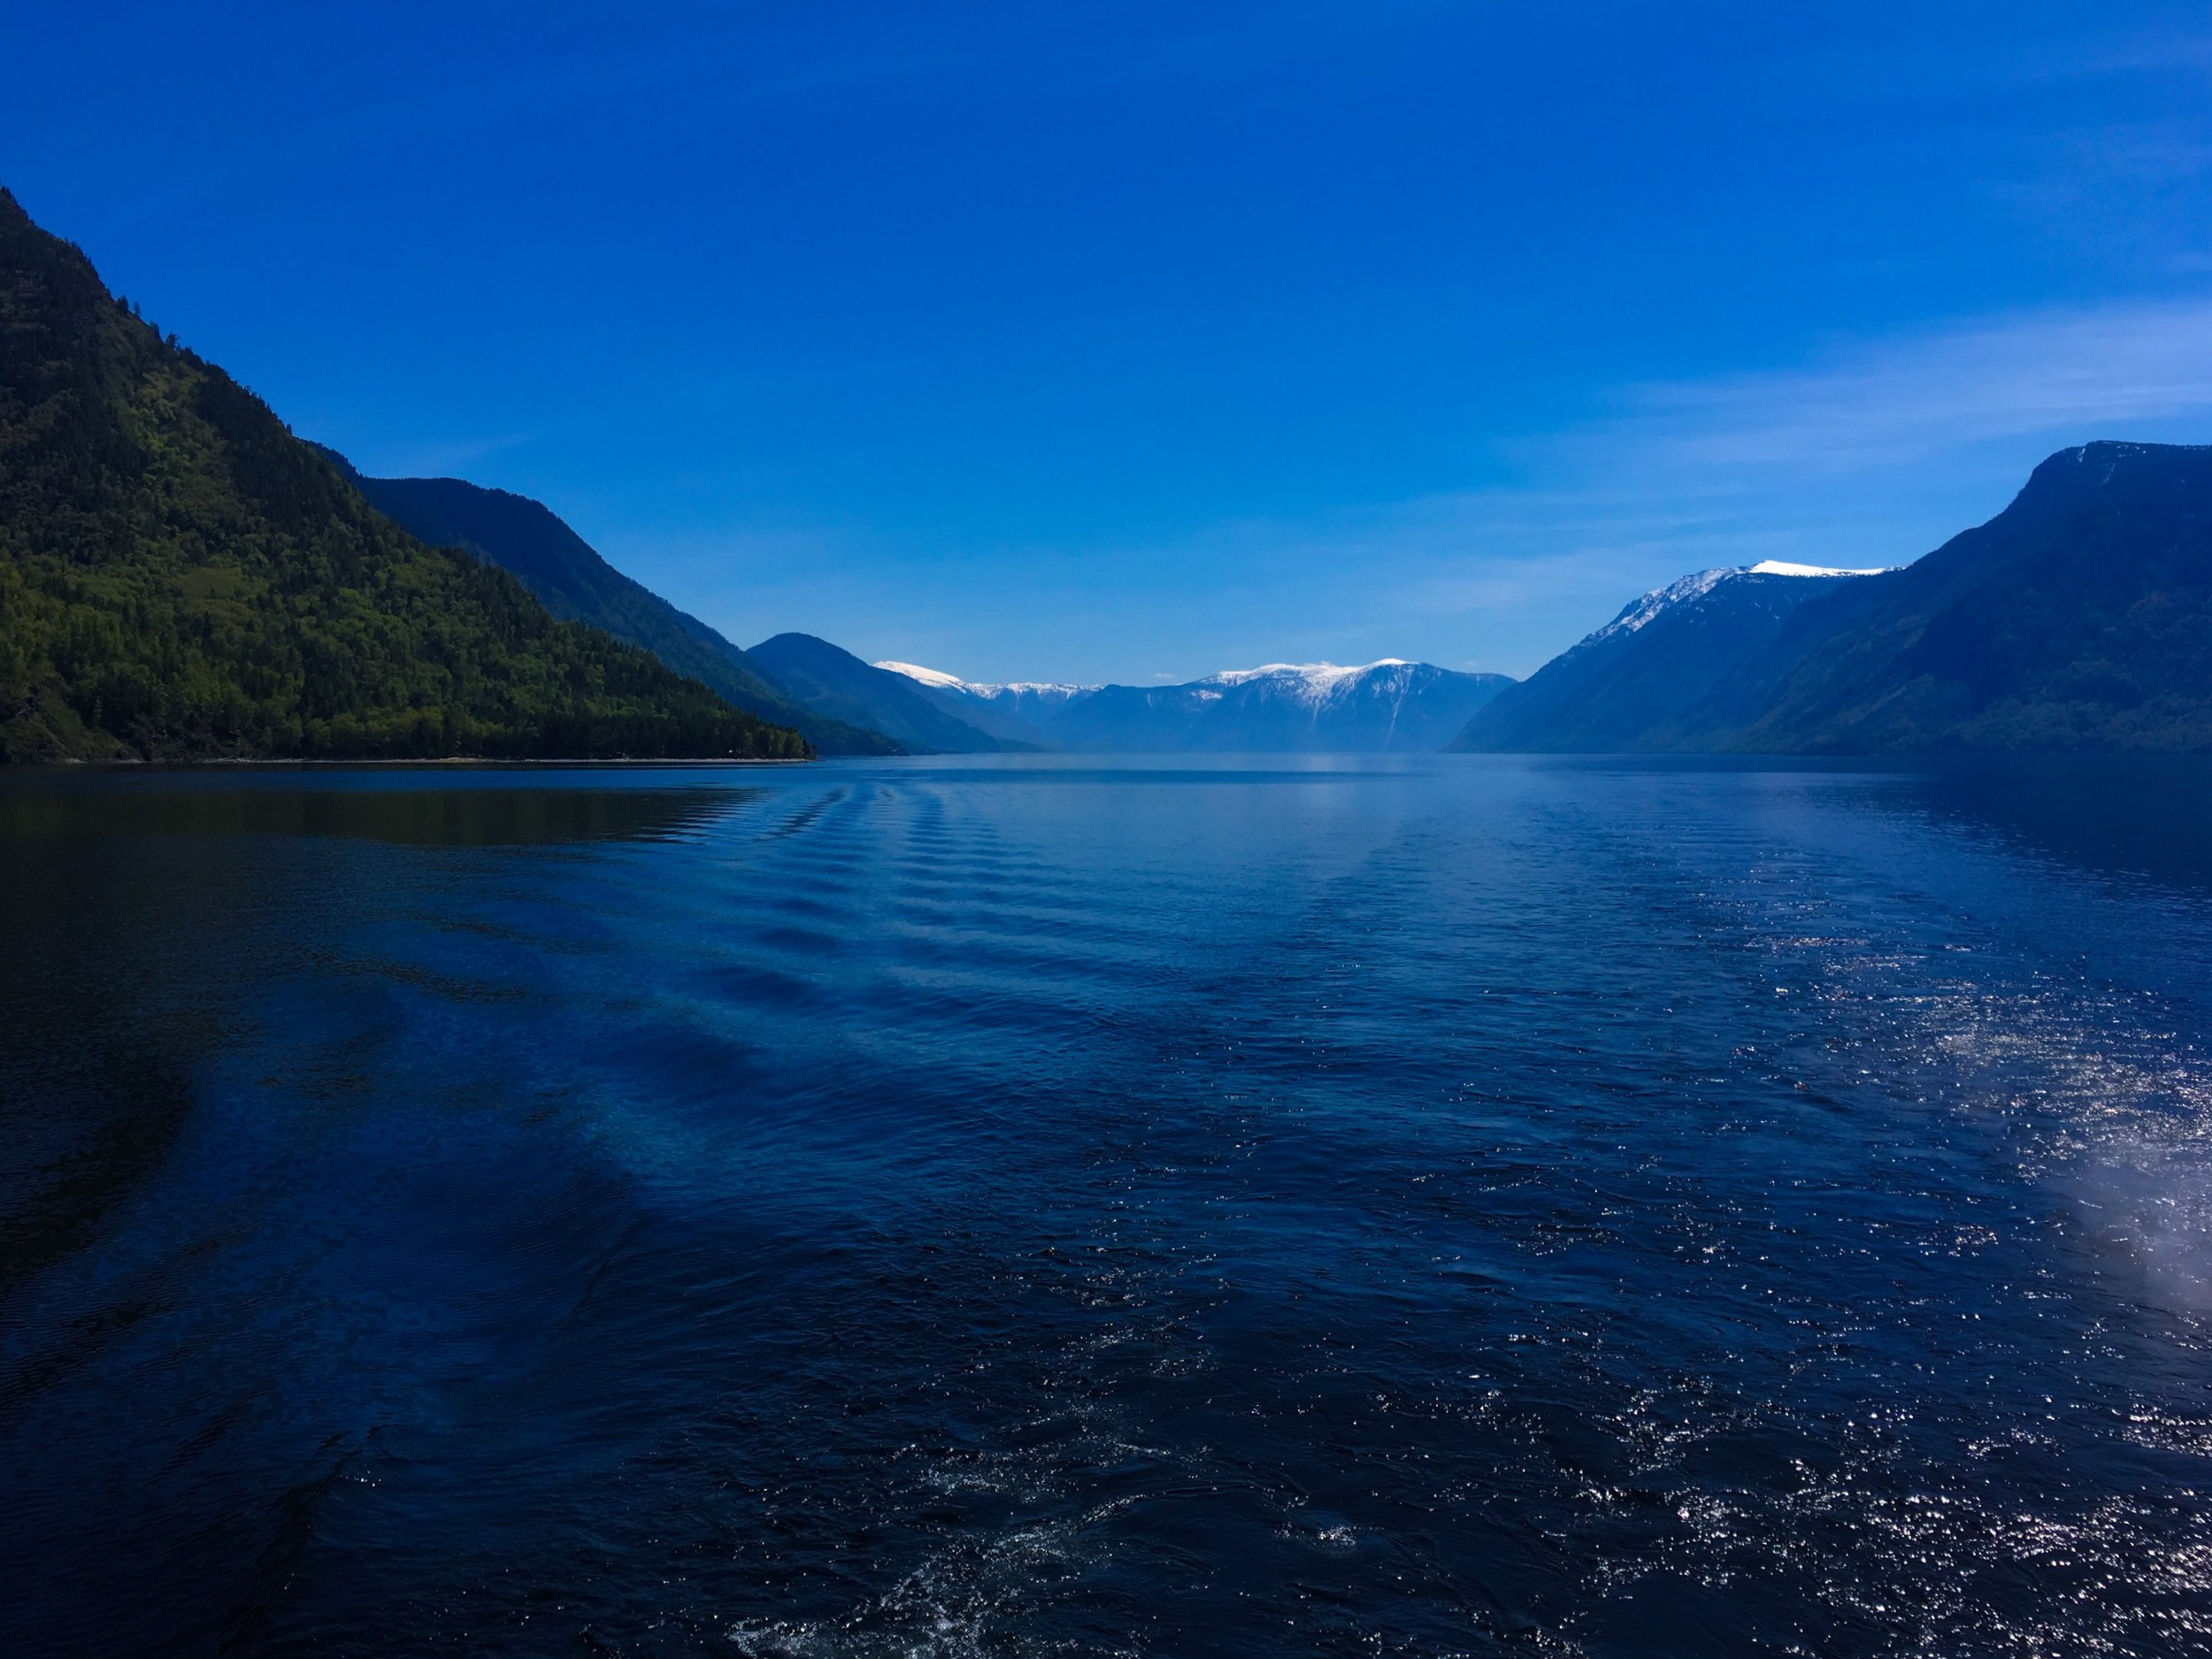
[{"x": 450, "y": 762}]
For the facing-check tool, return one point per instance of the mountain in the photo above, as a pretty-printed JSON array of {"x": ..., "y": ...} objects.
[
  {"x": 2078, "y": 619},
  {"x": 529, "y": 541},
  {"x": 181, "y": 578},
  {"x": 1314, "y": 708},
  {"x": 1390, "y": 705},
  {"x": 835, "y": 682},
  {"x": 1020, "y": 712},
  {"x": 1646, "y": 679}
]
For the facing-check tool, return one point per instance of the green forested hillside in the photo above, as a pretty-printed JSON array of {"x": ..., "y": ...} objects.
[
  {"x": 180, "y": 578},
  {"x": 529, "y": 541}
]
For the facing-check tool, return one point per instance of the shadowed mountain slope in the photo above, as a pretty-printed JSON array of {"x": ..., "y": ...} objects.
[
  {"x": 1015, "y": 714},
  {"x": 180, "y": 578},
  {"x": 2077, "y": 619},
  {"x": 835, "y": 682},
  {"x": 1648, "y": 679},
  {"x": 529, "y": 541}
]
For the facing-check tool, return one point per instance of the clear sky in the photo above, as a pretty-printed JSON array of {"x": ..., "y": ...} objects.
[{"x": 1133, "y": 341}]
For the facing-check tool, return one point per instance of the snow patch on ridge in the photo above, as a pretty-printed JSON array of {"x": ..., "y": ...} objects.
[
  {"x": 1783, "y": 567},
  {"x": 1313, "y": 680},
  {"x": 1309, "y": 683},
  {"x": 1659, "y": 601},
  {"x": 1315, "y": 672},
  {"x": 942, "y": 681},
  {"x": 927, "y": 676}
]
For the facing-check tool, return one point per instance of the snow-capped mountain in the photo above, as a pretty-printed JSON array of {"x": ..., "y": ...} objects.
[
  {"x": 936, "y": 677},
  {"x": 1389, "y": 705},
  {"x": 2077, "y": 620},
  {"x": 1280, "y": 707},
  {"x": 1314, "y": 683},
  {"x": 1659, "y": 601},
  {"x": 1033, "y": 701},
  {"x": 920, "y": 720},
  {"x": 1645, "y": 675}
]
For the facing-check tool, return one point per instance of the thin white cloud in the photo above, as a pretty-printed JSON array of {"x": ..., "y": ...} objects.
[
  {"x": 1871, "y": 456},
  {"x": 2073, "y": 374}
]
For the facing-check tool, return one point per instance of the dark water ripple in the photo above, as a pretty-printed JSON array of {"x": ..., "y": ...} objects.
[{"x": 941, "y": 1208}]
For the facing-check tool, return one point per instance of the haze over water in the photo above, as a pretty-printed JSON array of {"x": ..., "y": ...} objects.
[{"x": 1449, "y": 1206}]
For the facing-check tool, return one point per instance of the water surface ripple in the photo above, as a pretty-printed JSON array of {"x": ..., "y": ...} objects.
[{"x": 1452, "y": 1206}]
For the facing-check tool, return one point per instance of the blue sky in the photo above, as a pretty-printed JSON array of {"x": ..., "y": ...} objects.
[{"x": 1133, "y": 341}]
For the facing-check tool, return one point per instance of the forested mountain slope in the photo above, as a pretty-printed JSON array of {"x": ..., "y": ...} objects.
[
  {"x": 569, "y": 577},
  {"x": 179, "y": 577}
]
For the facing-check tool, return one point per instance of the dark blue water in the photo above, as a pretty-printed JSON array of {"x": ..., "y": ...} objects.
[{"x": 1455, "y": 1207}]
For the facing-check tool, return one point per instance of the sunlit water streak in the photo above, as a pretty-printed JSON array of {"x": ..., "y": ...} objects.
[{"x": 1035, "y": 1208}]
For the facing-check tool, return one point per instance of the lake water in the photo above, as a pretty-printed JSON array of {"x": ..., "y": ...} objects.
[{"x": 933, "y": 1208}]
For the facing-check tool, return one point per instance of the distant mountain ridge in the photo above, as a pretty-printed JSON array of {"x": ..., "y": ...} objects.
[
  {"x": 1035, "y": 703},
  {"x": 569, "y": 577},
  {"x": 1390, "y": 705},
  {"x": 2078, "y": 619},
  {"x": 1031, "y": 704},
  {"x": 919, "y": 717}
]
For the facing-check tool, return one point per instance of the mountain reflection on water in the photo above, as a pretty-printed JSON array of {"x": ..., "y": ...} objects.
[
  {"x": 1463, "y": 1205},
  {"x": 467, "y": 809}
]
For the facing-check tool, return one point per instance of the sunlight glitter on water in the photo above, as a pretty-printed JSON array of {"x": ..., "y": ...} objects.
[{"x": 944, "y": 1209}]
